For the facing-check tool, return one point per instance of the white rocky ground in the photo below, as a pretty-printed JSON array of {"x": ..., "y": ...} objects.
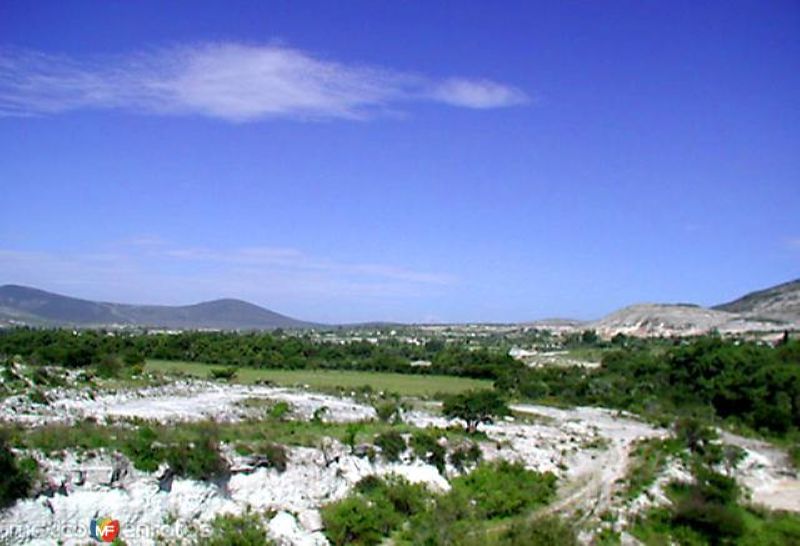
[
  {"x": 588, "y": 448},
  {"x": 767, "y": 473},
  {"x": 539, "y": 359},
  {"x": 180, "y": 401}
]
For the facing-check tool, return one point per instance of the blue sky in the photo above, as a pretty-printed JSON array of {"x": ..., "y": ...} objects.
[{"x": 414, "y": 161}]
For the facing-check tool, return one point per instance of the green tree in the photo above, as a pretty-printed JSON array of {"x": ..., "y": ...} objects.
[{"x": 475, "y": 407}]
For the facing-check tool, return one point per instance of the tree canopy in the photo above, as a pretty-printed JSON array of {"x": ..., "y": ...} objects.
[{"x": 475, "y": 407}]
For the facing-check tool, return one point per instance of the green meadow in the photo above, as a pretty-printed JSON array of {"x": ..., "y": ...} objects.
[{"x": 404, "y": 384}]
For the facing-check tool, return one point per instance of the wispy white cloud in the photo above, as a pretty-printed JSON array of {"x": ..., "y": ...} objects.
[
  {"x": 294, "y": 260},
  {"x": 478, "y": 93},
  {"x": 230, "y": 81}
]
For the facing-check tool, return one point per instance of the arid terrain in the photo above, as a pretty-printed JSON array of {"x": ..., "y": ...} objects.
[{"x": 589, "y": 449}]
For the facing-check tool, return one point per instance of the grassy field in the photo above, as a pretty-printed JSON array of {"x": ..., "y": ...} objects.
[{"x": 408, "y": 385}]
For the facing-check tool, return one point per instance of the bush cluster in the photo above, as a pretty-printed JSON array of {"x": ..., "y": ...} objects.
[
  {"x": 392, "y": 445},
  {"x": 16, "y": 477},
  {"x": 229, "y": 530},
  {"x": 227, "y": 374},
  {"x": 504, "y": 489},
  {"x": 756, "y": 385},
  {"x": 426, "y": 448},
  {"x": 465, "y": 455},
  {"x": 379, "y": 506}
]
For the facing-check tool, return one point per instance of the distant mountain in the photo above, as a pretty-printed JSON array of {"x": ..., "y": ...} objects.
[
  {"x": 781, "y": 302},
  {"x": 557, "y": 324},
  {"x": 21, "y": 304}
]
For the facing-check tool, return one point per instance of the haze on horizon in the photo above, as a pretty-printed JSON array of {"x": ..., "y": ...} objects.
[{"x": 414, "y": 162}]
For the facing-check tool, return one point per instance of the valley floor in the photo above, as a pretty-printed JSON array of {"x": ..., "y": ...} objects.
[{"x": 589, "y": 449}]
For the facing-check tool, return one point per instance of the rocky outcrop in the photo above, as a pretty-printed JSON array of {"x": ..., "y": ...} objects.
[{"x": 661, "y": 320}]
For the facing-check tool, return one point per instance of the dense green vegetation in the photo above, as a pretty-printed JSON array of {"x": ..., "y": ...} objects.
[
  {"x": 379, "y": 508},
  {"x": 752, "y": 385},
  {"x": 376, "y": 508},
  {"x": 709, "y": 510},
  {"x": 245, "y": 530},
  {"x": 255, "y": 350}
]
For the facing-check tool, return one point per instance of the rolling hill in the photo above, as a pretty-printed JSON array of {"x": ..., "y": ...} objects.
[
  {"x": 654, "y": 319},
  {"x": 781, "y": 302},
  {"x": 770, "y": 310},
  {"x": 21, "y": 304}
]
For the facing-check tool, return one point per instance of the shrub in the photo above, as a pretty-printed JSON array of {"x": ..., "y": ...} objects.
[
  {"x": 465, "y": 455},
  {"x": 378, "y": 507},
  {"x": 452, "y": 521},
  {"x": 42, "y": 376},
  {"x": 715, "y": 487},
  {"x": 358, "y": 521},
  {"x": 392, "y": 445},
  {"x": 200, "y": 460},
  {"x": 650, "y": 458},
  {"x": 223, "y": 373},
  {"x": 505, "y": 489},
  {"x": 699, "y": 439},
  {"x": 229, "y": 530},
  {"x": 108, "y": 367},
  {"x": 369, "y": 484},
  {"x": 277, "y": 456},
  {"x": 133, "y": 358},
  {"x": 427, "y": 448},
  {"x": 140, "y": 450},
  {"x": 280, "y": 410},
  {"x": 794, "y": 455},
  {"x": 406, "y": 498},
  {"x": 543, "y": 531},
  {"x": 319, "y": 413},
  {"x": 708, "y": 506},
  {"x": 716, "y": 521},
  {"x": 38, "y": 397},
  {"x": 16, "y": 478},
  {"x": 387, "y": 411},
  {"x": 351, "y": 434}
]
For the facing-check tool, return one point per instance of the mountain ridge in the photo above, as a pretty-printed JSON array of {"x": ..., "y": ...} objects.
[
  {"x": 781, "y": 301},
  {"x": 767, "y": 310},
  {"x": 39, "y": 307}
]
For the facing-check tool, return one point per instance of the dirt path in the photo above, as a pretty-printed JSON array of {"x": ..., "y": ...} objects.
[{"x": 593, "y": 473}]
